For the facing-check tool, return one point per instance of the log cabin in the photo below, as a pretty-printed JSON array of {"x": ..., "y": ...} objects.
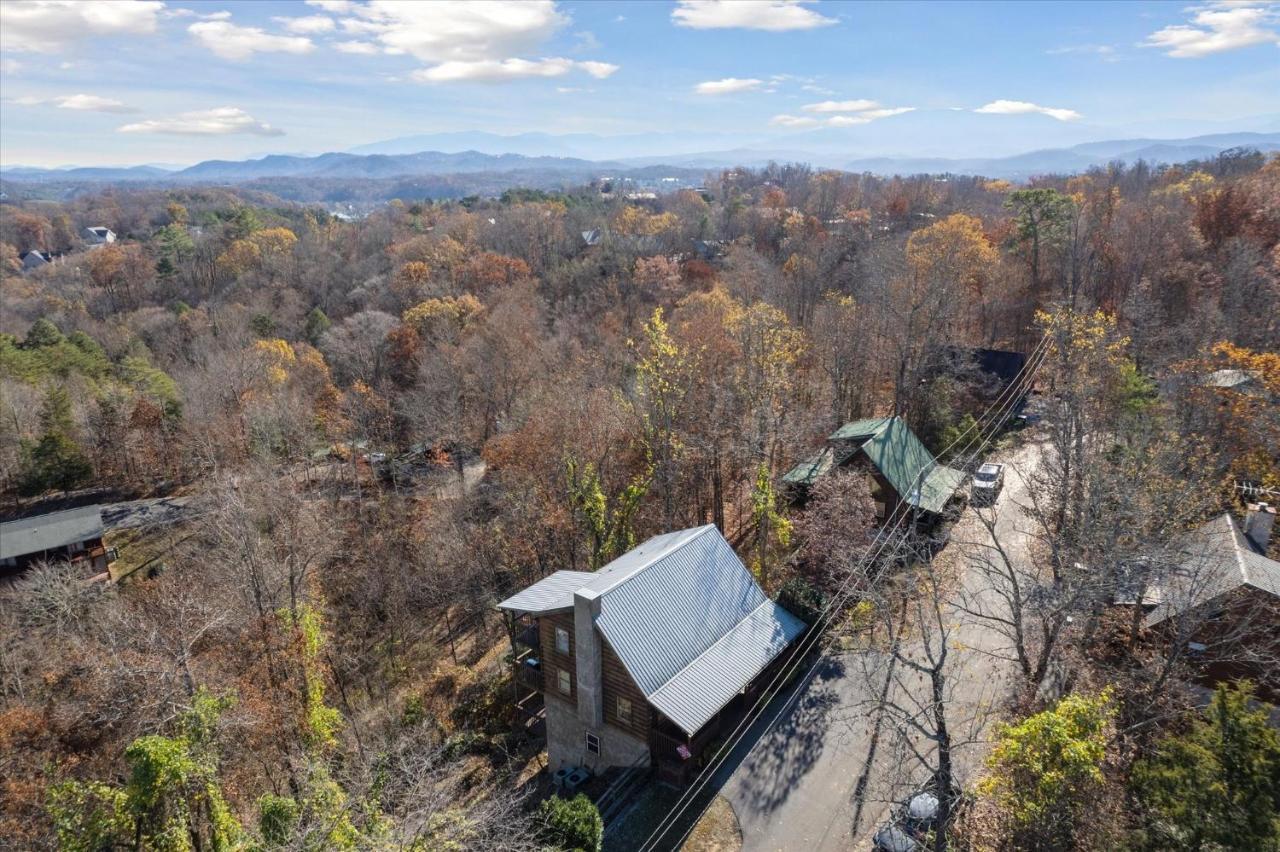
[
  {"x": 901, "y": 468},
  {"x": 637, "y": 663}
]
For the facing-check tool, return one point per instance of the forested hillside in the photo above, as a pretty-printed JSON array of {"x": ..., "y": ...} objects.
[{"x": 381, "y": 427}]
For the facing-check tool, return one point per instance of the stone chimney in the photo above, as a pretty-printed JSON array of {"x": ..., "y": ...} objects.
[
  {"x": 586, "y": 606},
  {"x": 1258, "y": 523}
]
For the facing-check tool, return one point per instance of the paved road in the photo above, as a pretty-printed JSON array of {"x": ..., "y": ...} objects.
[{"x": 795, "y": 788}]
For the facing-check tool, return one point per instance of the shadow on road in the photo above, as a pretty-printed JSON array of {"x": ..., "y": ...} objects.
[{"x": 776, "y": 760}]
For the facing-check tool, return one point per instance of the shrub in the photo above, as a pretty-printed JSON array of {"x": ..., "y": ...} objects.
[
  {"x": 799, "y": 597},
  {"x": 573, "y": 825}
]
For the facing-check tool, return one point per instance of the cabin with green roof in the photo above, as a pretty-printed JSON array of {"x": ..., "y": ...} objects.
[{"x": 902, "y": 467}]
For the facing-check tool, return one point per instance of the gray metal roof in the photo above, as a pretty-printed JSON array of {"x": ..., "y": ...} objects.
[
  {"x": 1213, "y": 560},
  {"x": 700, "y": 689},
  {"x": 685, "y": 617},
  {"x": 47, "y": 532},
  {"x": 551, "y": 593}
]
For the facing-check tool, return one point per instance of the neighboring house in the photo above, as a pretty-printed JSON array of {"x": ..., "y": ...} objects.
[
  {"x": 34, "y": 260},
  {"x": 73, "y": 535},
  {"x": 99, "y": 236},
  {"x": 903, "y": 468},
  {"x": 709, "y": 250},
  {"x": 1000, "y": 366},
  {"x": 637, "y": 662},
  {"x": 1230, "y": 379},
  {"x": 1222, "y": 598},
  {"x": 592, "y": 237}
]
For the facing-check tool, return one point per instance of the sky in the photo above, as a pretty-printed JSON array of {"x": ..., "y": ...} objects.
[{"x": 122, "y": 82}]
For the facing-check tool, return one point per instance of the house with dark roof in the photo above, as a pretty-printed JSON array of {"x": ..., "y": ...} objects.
[
  {"x": 636, "y": 664},
  {"x": 34, "y": 260},
  {"x": 901, "y": 467},
  {"x": 73, "y": 535},
  {"x": 1220, "y": 597}
]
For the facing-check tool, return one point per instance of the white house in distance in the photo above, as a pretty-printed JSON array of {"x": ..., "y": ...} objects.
[{"x": 99, "y": 236}]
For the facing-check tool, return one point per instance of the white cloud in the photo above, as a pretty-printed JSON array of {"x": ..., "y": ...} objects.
[
  {"x": 866, "y": 116},
  {"x": 231, "y": 41},
  {"x": 1218, "y": 27},
  {"x": 1003, "y": 107},
  {"x": 772, "y": 15},
  {"x": 860, "y": 114},
  {"x": 599, "y": 70},
  {"x": 502, "y": 70},
  {"x": 466, "y": 40},
  {"x": 1104, "y": 50},
  {"x": 842, "y": 106},
  {"x": 337, "y": 7},
  {"x": 728, "y": 85},
  {"x": 308, "y": 25},
  {"x": 794, "y": 121},
  {"x": 93, "y": 103},
  {"x": 222, "y": 15},
  {"x": 10, "y": 66},
  {"x": 458, "y": 30},
  {"x": 84, "y": 103},
  {"x": 222, "y": 121},
  {"x": 363, "y": 48},
  {"x": 49, "y": 26}
]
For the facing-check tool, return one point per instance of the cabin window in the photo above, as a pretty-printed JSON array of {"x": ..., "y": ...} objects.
[
  {"x": 566, "y": 682},
  {"x": 593, "y": 744},
  {"x": 624, "y": 709},
  {"x": 76, "y": 547},
  {"x": 562, "y": 640}
]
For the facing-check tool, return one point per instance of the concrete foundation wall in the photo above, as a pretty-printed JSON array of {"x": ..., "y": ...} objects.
[{"x": 567, "y": 741}]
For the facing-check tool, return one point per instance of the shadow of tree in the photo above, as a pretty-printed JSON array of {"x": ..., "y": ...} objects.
[{"x": 789, "y": 750}]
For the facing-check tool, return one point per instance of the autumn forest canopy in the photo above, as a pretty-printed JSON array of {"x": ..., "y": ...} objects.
[{"x": 380, "y": 427}]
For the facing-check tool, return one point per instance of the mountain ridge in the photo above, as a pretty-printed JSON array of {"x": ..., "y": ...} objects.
[{"x": 348, "y": 165}]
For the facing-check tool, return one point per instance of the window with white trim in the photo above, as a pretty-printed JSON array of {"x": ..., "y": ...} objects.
[
  {"x": 562, "y": 640},
  {"x": 593, "y": 743},
  {"x": 566, "y": 682},
  {"x": 624, "y": 709}
]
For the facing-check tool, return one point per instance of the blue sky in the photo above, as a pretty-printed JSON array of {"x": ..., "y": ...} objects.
[{"x": 140, "y": 81}]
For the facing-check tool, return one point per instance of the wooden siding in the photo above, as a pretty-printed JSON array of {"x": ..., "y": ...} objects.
[
  {"x": 553, "y": 660},
  {"x": 618, "y": 684}
]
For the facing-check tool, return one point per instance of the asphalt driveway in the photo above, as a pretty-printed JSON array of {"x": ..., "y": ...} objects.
[{"x": 825, "y": 773}]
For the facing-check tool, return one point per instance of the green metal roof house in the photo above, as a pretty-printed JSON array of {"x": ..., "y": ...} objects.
[{"x": 904, "y": 463}]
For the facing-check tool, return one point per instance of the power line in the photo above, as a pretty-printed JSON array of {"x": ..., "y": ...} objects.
[{"x": 898, "y": 518}]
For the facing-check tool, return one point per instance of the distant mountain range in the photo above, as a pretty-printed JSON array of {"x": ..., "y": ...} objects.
[{"x": 826, "y": 148}]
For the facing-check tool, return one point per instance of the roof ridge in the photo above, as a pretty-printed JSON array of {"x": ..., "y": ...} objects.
[
  {"x": 767, "y": 600},
  {"x": 1235, "y": 548},
  {"x": 661, "y": 554}
]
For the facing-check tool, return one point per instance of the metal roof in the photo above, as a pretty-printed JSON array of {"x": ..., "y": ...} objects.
[
  {"x": 1228, "y": 378},
  {"x": 908, "y": 465},
  {"x": 685, "y": 617},
  {"x": 48, "y": 532},
  {"x": 665, "y": 615},
  {"x": 1213, "y": 560},
  {"x": 807, "y": 472},
  {"x": 551, "y": 593},
  {"x": 698, "y": 691},
  {"x": 860, "y": 429}
]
